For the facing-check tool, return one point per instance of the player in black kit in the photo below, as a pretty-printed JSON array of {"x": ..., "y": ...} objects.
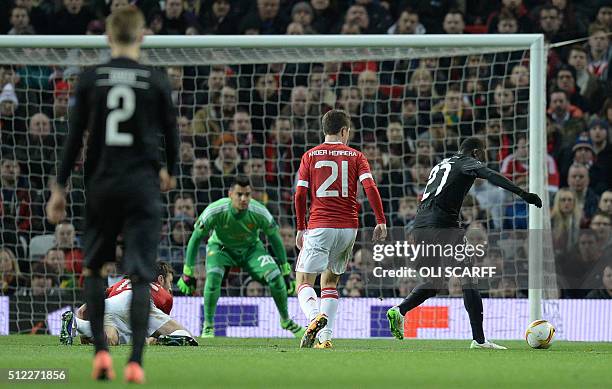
[
  {"x": 124, "y": 106},
  {"x": 437, "y": 222}
]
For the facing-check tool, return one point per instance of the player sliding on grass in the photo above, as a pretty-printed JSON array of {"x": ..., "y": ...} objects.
[
  {"x": 329, "y": 172},
  {"x": 437, "y": 222},
  {"x": 162, "y": 329},
  {"x": 236, "y": 222}
]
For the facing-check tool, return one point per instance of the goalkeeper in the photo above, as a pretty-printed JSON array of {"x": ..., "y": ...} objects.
[{"x": 235, "y": 223}]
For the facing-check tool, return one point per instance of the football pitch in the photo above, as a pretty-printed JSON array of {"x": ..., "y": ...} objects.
[{"x": 376, "y": 363}]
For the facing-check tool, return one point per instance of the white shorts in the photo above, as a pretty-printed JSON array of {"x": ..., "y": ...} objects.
[
  {"x": 326, "y": 248},
  {"x": 117, "y": 315}
]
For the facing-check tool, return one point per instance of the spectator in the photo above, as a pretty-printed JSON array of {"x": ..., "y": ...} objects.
[
  {"x": 20, "y": 21},
  {"x": 15, "y": 201},
  {"x": 324, "y": 16},
  {"x": 182, "y": 98},
  {"x": 605, "y": 203},
  {"x": 200, "y": 184},
  {"x": 266, "y": 20},
  {"x": 373, "y": 109},
  {"x": 357, "y": 15},
  {"x": 10, "y": 276},
  {"x": 407, "y": 23},
  {"x": 9, "y": 122},
  {"x": 578, "y": 181},
  {"x": 225, "y": 166},
  {"x": 453, "y": 22},
  {"x": 255, "y": 169},
  {"x": 41, "y": 284},
  {"x": 600, "y": 171},
  {"x": 565, "y": 79},
  {"x": 517, "y": 164},
  {"x": 173, "y": 249},
  {"x": 59, "y": 110},
  {"x": 354, "y": 286},
  {"x": 456, "y": 112},
  {"x": 471, "y": 213},
  {"x": 491, "y": 198},
  {"x": 349, "y": 99},
  {"x": 218, "y": 19},
  {"x": 305, "y": 127},
  {"x": 303, "y": 14},
  {"x": 379, "y": 18},
  {"x": 184, "y": 206},
  {"x": 397, "y": 147},
  {"x": 566, "y": 116},
  {"x": 587, "y": 84},
  {"x": 175, "y": 19},
  {"x": 263, "y": 103},
  {"x": 65, "y": 240},
  {"x": 54, "y": 263},
  {"x": 516, "y": 212},
  {"x": 550, "y": 19},
  {"x": 566, "y": 218},
  {"x": 575, "y": 266},
  {"x": 507, "y": 23},
  {"x": 606, "y": 291},
  {"x": 406, "y": 211},
  {"x": 38, "y": 17},
  {"x": 599, "y": 51},
  {"x": 287, "y": 233},
  {"x": 71, "y": 19},
  {"x": 581, "y": 153},
  {"x": 254, "y": 289},
  {"x": 601, "y": 223},
  {"x": 38, "y": 150},
  {"x": 242, "y": 130}
]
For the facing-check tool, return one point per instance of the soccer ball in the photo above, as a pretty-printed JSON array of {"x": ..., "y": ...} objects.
[{"x": 540, "y": 334}]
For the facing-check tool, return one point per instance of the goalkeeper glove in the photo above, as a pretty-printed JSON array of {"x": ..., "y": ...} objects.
[
  {"x": 289, "y": 281},
  {"x": 187, "y": 283}
]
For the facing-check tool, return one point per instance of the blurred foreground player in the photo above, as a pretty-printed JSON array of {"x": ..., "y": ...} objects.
[
  {"x": 162, "y": 329},
  {"x": 124, "y": 106},
  {"x": 437, "y": 222},
  {"x": 330, "y": 172}
]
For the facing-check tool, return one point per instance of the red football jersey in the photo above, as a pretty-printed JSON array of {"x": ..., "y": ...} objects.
[
  {"x": 161, "y": 298},
  {"x": 331, "y": 171}
]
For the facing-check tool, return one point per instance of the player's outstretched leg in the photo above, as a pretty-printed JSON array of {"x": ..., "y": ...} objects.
[
  {"x": 212, "y": 291},
  {"x": 473, "y": 305},
  {"x": 396, "y": 314}
]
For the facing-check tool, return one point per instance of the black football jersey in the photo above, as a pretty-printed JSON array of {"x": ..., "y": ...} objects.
[
  {"x": 449, "y": 182},
  {"x": 128, "y": 112}
]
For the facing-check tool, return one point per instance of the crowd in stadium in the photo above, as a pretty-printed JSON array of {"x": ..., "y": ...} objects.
[{"x": 259, "y": 119}]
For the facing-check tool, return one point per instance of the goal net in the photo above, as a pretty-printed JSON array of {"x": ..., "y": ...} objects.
[{"x": 253, "y": 106}]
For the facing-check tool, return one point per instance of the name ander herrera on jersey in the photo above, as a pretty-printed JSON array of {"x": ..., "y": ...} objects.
[{"x": 335, "y": 153}]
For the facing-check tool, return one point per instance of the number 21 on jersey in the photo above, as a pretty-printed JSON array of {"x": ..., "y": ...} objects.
[
  {"x": 333, "y": 165},
  {"x": 443, "y": 166}
]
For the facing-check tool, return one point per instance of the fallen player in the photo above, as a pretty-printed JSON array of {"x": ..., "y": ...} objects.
[{"x": 162, "y": 329}]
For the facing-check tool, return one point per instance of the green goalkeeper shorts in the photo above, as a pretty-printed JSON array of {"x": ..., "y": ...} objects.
[{"x": 260, "y": 265}]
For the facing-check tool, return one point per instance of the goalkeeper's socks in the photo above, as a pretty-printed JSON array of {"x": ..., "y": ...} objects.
[
  {"x": 139, "y": 316},
  {"x": 308, "y": 301},
  {"x": 83, "y": 327},
  {"x": 279, "y": 294},
  {"x": 212, "y": 291},
  {"x": 473, "y": 305},
  {"x": 329, "y": 307},
  {"x": 418, "y": 295},
  {"x": 94, "y": 297}
]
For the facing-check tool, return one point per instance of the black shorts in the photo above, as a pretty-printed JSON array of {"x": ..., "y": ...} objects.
[
  {"x": 129, "y": 206},
  {"x": 438, "y": 253}
]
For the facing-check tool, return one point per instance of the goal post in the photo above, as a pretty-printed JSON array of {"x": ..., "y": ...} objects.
[{"x": 242, "y": 50}]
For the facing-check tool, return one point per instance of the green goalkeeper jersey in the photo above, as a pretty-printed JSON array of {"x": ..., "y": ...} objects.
[{"x": 236, "y": 230}]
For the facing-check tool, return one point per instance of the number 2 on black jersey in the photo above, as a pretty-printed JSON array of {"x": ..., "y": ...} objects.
[
  {"x": 121, "y": 101},
  {"x": 443, "y": 166}
]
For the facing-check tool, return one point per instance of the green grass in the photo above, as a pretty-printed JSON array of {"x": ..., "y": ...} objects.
[{"x": 278, "y": 363}]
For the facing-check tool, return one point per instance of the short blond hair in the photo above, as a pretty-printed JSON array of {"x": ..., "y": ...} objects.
[{"x": 125, "y": 25}]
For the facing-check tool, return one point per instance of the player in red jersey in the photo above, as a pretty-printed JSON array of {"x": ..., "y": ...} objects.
[
  {"x": 329, "y": 172},
  {"x": 162, "y": 328}
]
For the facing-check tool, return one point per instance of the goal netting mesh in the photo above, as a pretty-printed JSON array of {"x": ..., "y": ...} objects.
[{"x": 256, "y": 111}]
